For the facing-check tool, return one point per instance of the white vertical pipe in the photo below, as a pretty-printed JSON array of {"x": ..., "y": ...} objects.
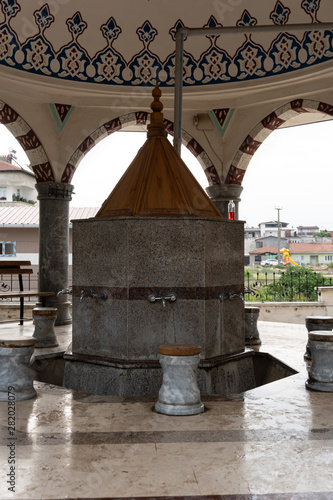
[
  {"x": 177, "y": 140},
  {"x": 183, "y": 32}
]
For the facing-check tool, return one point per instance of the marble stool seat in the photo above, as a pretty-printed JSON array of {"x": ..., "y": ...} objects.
[
  {"x": 179, "y": 393},
  {"x": 321, "y": 369},
  {"x": 44, "y": 319},
  {"x": 251, "y": 325},
  {"x": 316, "y": 323},
  {"x": 15, "y": 378}
]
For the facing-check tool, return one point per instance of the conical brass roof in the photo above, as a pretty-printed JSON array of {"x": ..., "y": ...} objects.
[{"x": 157, "y": 182}]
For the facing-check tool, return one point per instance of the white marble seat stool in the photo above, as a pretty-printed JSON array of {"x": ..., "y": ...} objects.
[
  {"x": 252, "y": 336},
  {"x": 316, "y": 323},
  {"x": 15, "y": 377},
  {"x": 44, "y": 319},
  {"x": 179, "y": 393},
  {"x": 321, "y": 370}
]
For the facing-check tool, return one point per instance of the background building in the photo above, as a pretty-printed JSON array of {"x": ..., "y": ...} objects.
[{"x": 16, "y": 183}]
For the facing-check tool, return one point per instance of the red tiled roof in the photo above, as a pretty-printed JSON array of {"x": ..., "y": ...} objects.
[
  {"x": 29, "y": 215},
  {"x": 263, "y": 250},
  {"x": 296, "y": 248},
  {"x": 7, "y": 166}
]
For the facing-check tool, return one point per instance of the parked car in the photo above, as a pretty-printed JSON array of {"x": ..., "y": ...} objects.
[{"x": 270, "y": 262}]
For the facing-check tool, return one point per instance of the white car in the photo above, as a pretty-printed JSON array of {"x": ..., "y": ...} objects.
[{"x": 270, "y": 262}]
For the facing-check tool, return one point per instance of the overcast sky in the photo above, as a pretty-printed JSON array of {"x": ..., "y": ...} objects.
[{"x": 292, "y": 169}]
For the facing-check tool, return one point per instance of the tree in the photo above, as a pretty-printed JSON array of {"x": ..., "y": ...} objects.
[{"x": 322, "y": 234}]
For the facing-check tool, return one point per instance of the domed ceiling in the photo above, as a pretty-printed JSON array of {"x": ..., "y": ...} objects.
[{"x": 132, "y": 43}]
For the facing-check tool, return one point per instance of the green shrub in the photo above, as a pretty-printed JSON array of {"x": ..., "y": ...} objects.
[
  {"x": 17, "y": 197},
  {"x": 296, "y": 284}
]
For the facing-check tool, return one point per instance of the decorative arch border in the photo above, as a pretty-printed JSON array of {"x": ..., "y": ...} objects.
[
  {"x": 138, "y": 118},
  {"x": 264, "y": 128},
  {"x": 29, "y": 141}
]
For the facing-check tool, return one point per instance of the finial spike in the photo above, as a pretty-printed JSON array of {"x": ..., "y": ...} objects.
[{"x": 156, "y": 105}]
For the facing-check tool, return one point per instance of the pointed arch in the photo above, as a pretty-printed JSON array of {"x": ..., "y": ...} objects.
[
  {"x": 138, "y": 118},
  {"x": 29, "y": 142},
  {"x": 264, "y": 128}
]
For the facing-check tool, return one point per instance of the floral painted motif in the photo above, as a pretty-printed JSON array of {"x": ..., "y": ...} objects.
[
  {"x": 188, "y": 68},
  {"x": 110, "y": 30},
  {"x": 318, "y": 45},
  {"x": 246, "y": 20},
  {"x": 109, "y": 67},
  {"x": 215, "y": 65},
  {"x": 250, "y": 60},
  {"x": 43, "y": 17},
  {"x": 146, "y": 33},
  {"x": 214, "y": 61},
  {"x": 179, "y": 24},
  {"x": 75, "y": 25},
  {"x": 10, "y": 8},
  {"x": 73, "y": 62},
  {"x": 280, "y": 14},
  {"x": 7, "y": 43},
  {"x": 311, "y": 7},
  {"x": 145, "y": 68},
  {"x": 109, "y": 62},
  {"x": 37, "y": 56},
  {"x": 188, "y": 63},
  {"x": 285, "y": 51},
  {"x": 212, "y": 23}
]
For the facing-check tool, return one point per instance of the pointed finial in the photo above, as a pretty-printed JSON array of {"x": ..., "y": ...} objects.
[
  {"x": 156, "y": 127},
  {"x": 156, "y": 105}
]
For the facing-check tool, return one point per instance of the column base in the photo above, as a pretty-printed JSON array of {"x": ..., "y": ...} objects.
[
  {"x": 314, "y": 385},
  {"x": 170, "y": 409},
  {"x": 252, "y": 341},
  {"x": 19, "y": 395}
]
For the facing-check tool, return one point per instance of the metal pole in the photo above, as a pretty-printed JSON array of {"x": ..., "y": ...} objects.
[
  {"x": 186, "y": 32},
  {"x": 279, "y": 234},
  {"x": 177, "y": 141}
]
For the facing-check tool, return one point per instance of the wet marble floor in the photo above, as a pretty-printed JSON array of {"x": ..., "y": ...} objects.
[{"x": 274, "y": 442}]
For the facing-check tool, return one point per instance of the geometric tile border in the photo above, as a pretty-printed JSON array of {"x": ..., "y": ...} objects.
[
  {"x": 137, "y": 118},
  {"x": 29, "y": 141},
  {"x": 264, "y": 128}
]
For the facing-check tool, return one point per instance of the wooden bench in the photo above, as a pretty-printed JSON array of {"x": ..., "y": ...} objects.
[{"x": 19, "y": 268}]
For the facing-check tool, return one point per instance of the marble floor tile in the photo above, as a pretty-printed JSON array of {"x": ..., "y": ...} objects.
[{"x": 274, "y": 442}]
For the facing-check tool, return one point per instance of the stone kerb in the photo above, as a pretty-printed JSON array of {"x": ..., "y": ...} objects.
[{"x": 290, "y": 312}]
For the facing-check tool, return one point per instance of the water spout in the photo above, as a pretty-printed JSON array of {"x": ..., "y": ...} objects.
[
  {"x": 90, "y": 293},
  {"x": 152, "y": 298},
  {"x": 65, "y": 291},
  {"x": 231, "y": 296}
]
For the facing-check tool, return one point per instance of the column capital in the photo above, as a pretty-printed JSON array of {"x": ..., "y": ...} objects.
[
  {"x": 221, "y": 194},
  {"x": 54, "y": 191},
  {"x": 224, "y": 192}
]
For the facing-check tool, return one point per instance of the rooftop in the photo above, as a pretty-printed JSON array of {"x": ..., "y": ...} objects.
[
  {"x": 264, "y": 250},
  {"x": 274, "y": 442},
  {"x": 29, "y": 215},
  {"x": 274, "y": 223},
  {"x": 311, "y": 247},
  {"x": 9, "y": 167}
]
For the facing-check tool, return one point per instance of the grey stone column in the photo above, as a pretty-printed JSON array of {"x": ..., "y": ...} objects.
[
  {"x": 54, "y": 201},
  {"x": 222, "y": 194}
]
